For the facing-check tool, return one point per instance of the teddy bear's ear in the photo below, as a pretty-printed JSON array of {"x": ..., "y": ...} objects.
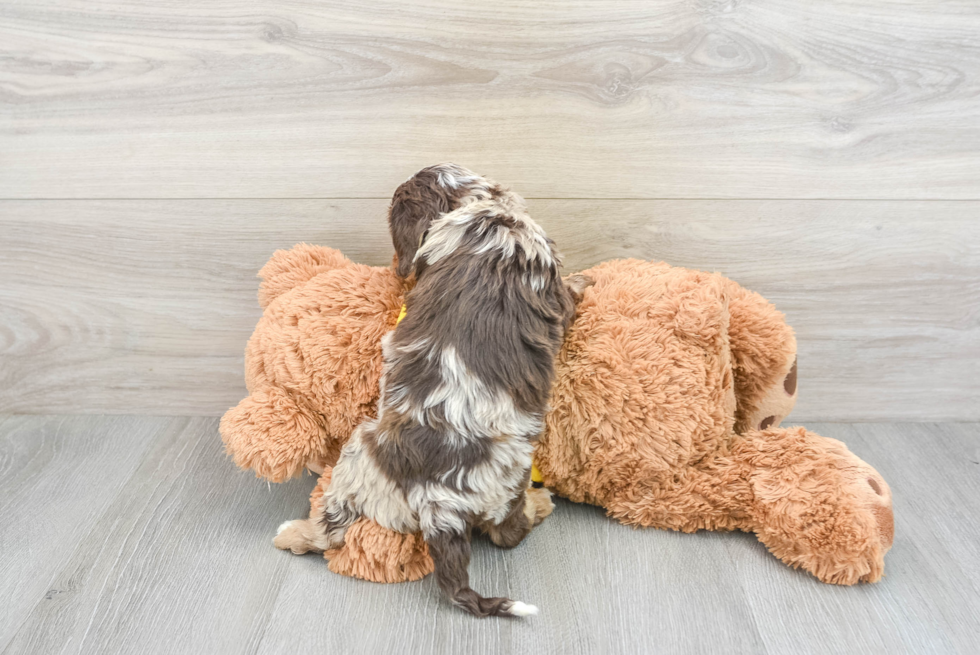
[{"x": 287, "y": 269}]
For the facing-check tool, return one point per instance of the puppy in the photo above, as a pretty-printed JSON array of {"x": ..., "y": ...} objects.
[{"x": 465, "y": 383}]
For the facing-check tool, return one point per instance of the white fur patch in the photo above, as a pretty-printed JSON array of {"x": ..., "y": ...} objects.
[
  {"x": 522, "y": 609},
  {"x": 446, "y": 233},
  {"x": 500, "y": 479},
  {"x": 535, "y": 281},
  {"x": 395, "y": 395},
  {"x": 452, "y": 176},
  {"x": 471, "y": 408},
  {"x": 357, "y": 481},
  {"x": 528, "y": 235},
  {"x": 439, "y": 508}
]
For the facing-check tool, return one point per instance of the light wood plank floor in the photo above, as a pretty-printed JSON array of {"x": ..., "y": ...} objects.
[{"x": 135, "y": 534}]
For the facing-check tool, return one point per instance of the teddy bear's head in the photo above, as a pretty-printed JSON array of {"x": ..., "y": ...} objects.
[{"x": 313, "y": 364}]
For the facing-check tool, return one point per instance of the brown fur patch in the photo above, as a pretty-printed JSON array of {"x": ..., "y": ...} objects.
[{"x": 789, "y": 384}]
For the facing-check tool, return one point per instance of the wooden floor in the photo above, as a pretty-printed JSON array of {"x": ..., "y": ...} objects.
[{"x": 135, "y": 534}]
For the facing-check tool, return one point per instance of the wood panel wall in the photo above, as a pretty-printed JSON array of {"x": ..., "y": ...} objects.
[{"x": 153, "y": 155}]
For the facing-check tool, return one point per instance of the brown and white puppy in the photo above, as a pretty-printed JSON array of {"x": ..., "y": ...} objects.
[{"x": 466, "y": 379}]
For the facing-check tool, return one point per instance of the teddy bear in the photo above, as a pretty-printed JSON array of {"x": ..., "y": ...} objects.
[{"x": 665, "y": 410}]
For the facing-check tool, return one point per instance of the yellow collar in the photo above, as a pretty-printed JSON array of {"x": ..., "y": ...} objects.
[
  {"x": 401, "y": 315},
  {"x": 537, "y": 480}
]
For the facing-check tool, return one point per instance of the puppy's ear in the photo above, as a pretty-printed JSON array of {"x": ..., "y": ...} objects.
[
  {"x": 577, "y": 284},
  {"x": 416, "y": 203}
]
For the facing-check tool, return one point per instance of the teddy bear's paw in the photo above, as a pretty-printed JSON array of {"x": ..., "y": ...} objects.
[
  {"x": 822, "y": 508},
  {"x": 301, "y": 536},
  {"x": 773, "y": 405},
  {"x": 873, "y": 520},
  {"x": 849, "y": 554},
  {"x": 538, "y": 505},
  {"x": 875, "y": 496}
]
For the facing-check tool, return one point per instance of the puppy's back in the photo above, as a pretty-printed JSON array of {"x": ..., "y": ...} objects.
[{"x": 468, "y": 373}]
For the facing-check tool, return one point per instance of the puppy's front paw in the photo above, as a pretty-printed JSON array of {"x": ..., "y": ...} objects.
[
  {"x": 537, "y": 505},
  {"x": 300, "y": 536}
]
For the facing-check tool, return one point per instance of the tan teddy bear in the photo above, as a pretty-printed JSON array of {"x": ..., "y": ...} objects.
[{"x": 668, "y": 395}]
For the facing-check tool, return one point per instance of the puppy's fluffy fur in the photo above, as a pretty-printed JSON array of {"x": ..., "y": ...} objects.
[{"x": 466, "y": 379}]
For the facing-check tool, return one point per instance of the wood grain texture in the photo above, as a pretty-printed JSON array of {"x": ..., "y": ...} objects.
[
  {"x": 58, "y": 475},
  {"x": 180, "y": 560},
  {"x": 591, "y": 98},
  {"x": 145, "y": 306},
  {"x": 933, "y": 568}
]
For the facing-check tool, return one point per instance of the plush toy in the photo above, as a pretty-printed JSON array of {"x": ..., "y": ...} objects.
[{"x": 666, "y": 407}]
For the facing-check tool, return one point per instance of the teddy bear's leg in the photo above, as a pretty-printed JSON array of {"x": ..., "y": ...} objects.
[
  {"x": 816, "y": 505},
  {"x": 276, "y": 435},
  {"x": 763, "y": 360},
  {"x": 710, "y": 497},
  {"x": 531, "y": 508},
  {"x": 811, "y": 501},
  {"x": 369, "y": 552}
]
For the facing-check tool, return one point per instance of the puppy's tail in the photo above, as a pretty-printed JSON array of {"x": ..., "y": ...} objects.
[{"x": 451, "y": 554}]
